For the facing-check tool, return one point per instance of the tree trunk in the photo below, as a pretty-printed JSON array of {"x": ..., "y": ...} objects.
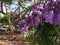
[
  {"x": 1, "y": 6},
  {"x": 11, "y": 28}
]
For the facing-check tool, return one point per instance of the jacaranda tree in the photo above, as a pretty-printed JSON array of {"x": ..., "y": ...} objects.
[{"x": 43, "y": 18}]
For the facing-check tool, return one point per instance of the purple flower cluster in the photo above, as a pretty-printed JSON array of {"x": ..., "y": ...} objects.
[
  {"x": 52, "y": 12},
  {"x": 32, "y": 18}
]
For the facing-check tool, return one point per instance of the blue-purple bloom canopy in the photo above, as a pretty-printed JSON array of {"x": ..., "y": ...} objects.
[{"x": 50, "y": 11}]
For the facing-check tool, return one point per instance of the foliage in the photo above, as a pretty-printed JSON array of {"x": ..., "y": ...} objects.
[
  {"x": 4, "y": 19},
  {"x": 7, "y": 1}
]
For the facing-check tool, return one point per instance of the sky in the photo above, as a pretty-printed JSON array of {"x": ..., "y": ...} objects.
[{"x": 14, "y": 6}]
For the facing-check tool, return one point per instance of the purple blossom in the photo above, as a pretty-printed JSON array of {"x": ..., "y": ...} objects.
[
  {"x": 48, "y": 15},
  {"x": 52, "y": 12},
  {"x": 37, "y": 9},
  {"x": 31, "y": 24},
  {"x": 30, "y": 17},
  {"x": 55, "y": 0},
  {"x": 22, "y": 25},
  {"x": 40, "y": 6},
  {"x": 38, "y": 20},
  {"x": 37, "y": 12}
]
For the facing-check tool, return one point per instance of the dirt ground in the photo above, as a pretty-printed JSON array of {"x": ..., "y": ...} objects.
[{"x": 5, "y": 42}]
